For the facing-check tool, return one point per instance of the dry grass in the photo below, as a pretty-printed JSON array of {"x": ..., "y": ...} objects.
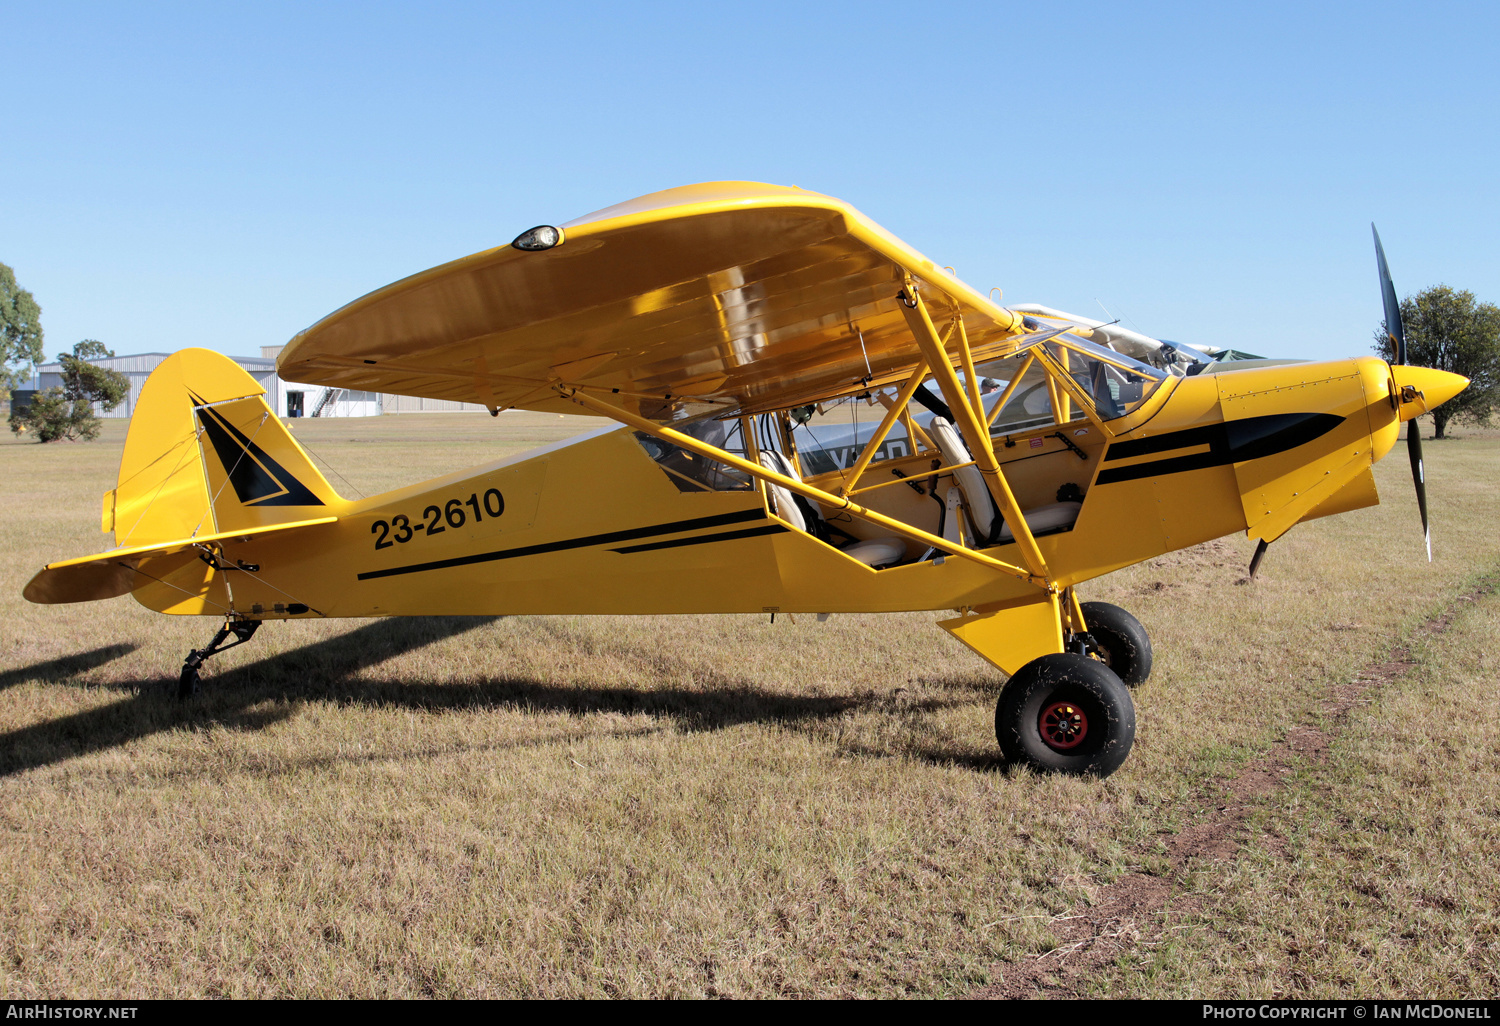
[
  {"x": 1373, "y": 869},
  {"x": 568, "y": 806}
]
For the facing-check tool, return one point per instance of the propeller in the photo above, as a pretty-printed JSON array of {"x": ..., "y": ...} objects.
[
  {"x": 1424, "y": 386},
  {"x": 1397, "y": 334}
]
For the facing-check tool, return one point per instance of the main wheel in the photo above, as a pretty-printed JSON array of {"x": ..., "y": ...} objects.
[
  {"x": 187, "y": 682},
  {"x": 1122, "y": 641},
  {"x": 1066, "y": 713}
]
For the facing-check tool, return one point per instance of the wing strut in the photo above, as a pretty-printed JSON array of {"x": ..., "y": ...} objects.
[
  {"x": 892, "y": 413},
  {"x": 760, "y": 473},
  {"x": 1010, "y": 389},
  {"x": 971, "y": 423}
]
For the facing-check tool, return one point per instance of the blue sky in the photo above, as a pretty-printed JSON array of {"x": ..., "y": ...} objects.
[{"x": 224, "y": 175}]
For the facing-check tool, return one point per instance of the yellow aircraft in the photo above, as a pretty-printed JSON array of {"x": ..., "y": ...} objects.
[{"x": 723, "y": 332}]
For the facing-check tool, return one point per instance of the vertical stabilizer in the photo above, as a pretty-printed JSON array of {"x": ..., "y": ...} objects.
[{"x": 205, "y": 454}]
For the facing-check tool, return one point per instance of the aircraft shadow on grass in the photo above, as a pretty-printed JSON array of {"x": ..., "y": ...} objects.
[
  {"x": 250, "y": 697},
  {"x": 66, "y": 666}
]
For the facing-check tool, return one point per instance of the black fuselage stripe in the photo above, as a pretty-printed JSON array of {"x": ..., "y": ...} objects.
[
  {"x": 1235, "y": 441},
  {"x": 704, "y": 539},
  {"x": 1207, "y": 435},
  {"x": 721, "y": 520},
  {"x": 1158, "y": 468}
]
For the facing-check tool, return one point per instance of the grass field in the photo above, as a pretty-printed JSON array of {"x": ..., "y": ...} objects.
[{"x": 720, "y": 806}]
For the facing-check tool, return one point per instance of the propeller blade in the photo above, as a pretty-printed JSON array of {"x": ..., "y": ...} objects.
[
  {"x": 1260, "y": 550},
  {"x": 1393, "y": 327},
  {"x": 1396, "y": 332},
  {"x": 1419, "y": 477}
]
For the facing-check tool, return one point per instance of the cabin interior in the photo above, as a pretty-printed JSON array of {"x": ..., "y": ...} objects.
[{"x": 1048, "y": 439}]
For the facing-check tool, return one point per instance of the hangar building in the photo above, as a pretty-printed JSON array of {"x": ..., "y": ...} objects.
[{"x": 287, "y": 398}]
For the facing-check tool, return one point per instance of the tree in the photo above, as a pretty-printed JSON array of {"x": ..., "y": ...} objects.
[
  {"x": 20, "y": 331},
  {"x": 68, "y": 412},
  {"x": 1448, "y": 330},
  {"x": 88, "y": 349}
]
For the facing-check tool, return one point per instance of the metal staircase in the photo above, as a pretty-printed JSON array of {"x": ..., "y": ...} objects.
[{"x": 329, "y": 397}]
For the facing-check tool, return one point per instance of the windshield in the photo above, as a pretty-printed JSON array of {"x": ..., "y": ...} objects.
[{"x": 1114, "y": 382}]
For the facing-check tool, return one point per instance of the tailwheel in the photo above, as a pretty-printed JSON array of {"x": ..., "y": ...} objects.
[
  {"x": 1066, "y": 713},
  {"x": 187, "y": 682},
  {"x": 189, "y": 679},
  {"x": 1120, "y": 641}
]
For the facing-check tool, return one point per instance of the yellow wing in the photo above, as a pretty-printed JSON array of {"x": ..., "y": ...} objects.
[{"x": 734, "y": 294}]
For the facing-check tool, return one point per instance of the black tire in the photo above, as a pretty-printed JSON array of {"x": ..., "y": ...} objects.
[
  {"x": 187, "y": 683},
  {"x": 1066, "y": 713},
  {"x": 1123, "y": 643}
]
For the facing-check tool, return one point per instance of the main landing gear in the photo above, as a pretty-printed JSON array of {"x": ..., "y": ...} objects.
[
  {"x": 1071, "y": 712},
  {"x": 241, "y": 630},
  {"x": 1119, "y": 641},
  {"x": 1066, "y": 713}
]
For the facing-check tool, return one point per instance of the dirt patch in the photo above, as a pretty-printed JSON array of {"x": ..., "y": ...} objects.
[
  {"x": 1136, "y": 909},
  {"x": 1210, "y": 555}
]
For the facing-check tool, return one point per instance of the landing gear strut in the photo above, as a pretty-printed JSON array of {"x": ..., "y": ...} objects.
[{"x": 241, "y": 630}]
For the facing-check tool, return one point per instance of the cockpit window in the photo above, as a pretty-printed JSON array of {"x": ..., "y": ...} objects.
[
  {"x": 693, "y": 473},
  {"x": 1114, "y": 382},
  {"x": 1028, "y": 405},
  {"x": 833, "y": 435}
]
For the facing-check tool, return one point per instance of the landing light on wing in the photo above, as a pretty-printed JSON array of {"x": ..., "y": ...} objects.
[{"x": 543, "y": 236}]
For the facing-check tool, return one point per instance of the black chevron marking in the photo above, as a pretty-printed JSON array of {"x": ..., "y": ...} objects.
[{"x": 258, "y": 479}]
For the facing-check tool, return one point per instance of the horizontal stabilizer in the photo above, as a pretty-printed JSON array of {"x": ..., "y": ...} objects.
[{"x": 111, "y": 574}]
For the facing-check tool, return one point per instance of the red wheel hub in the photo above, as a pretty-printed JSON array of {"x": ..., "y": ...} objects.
[{"x": 1063, "y": 726}]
